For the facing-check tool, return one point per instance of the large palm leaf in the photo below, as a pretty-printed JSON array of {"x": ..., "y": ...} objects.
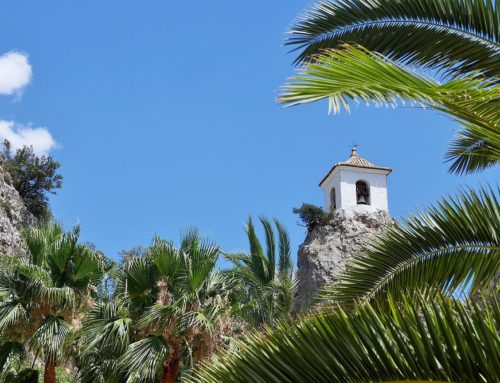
[
  {"x": 455, "y": 245},
  {"x": 456, "y": 36},
  {"x": 355, "y": 74},
  {"x": 102, "y": 341},
  {"x": 412, "y": 340}
]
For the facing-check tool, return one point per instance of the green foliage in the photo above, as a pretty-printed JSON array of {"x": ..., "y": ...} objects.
[
  {"x": 40, "y": 293},
  {"x": 406, "y": 340},
  {"x": 455, "y": 245},
  {"x": 267, "y": 286},
  {"x": 454, "y": 37},
  {"x": 64, "y": 377},
  {"x": 354, "y": 74},
  {"x": 170, "y": 310},
  {"x": 33, "y": 177},
  {"x": 312, "y": 215},
  {"x": 23, "y": 375}
]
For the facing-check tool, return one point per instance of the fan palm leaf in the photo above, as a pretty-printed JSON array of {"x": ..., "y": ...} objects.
[
  {"x": 412, "y": 340},
  {"x": 355, "y": 74},
  {"x": 455, "y": 245},
  {"x": 104, "y": 338},
  {"x": 47, "y": 341},
  {"x": 451, "y": 36},
  {"x": 144, "y": 359}
]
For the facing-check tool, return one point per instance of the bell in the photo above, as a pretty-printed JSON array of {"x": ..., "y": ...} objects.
[{"x": 362, "y": 200}]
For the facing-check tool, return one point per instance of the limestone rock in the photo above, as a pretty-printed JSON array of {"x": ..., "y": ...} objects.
[
  {"x": 13, "y": 217},
  {"x": 326, "y": 250}
]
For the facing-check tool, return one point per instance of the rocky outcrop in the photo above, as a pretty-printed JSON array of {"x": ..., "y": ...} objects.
[
  {"x": 13, "y": 217},
  {"x": 326, "y": 250}
]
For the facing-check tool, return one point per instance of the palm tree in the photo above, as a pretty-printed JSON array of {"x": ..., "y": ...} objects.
[
  {"x": 267, "y": 281},
  {"x": 408, "y": 339},
  {"x": 171, "y": 309},
  {"x": 455, "y": 40},
  {"x": 43, "y": 292}
]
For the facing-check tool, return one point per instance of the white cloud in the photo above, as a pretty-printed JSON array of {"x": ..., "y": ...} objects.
[
  {"x": 25, "y": 135},
  {"x": 15, "y": 72}
]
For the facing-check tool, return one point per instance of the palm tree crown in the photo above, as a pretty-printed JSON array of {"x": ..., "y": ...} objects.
[
  {"x": 42, "y": 292},
  {"x": 170, "y": 311},
  {"x": 267, "y": 281}
]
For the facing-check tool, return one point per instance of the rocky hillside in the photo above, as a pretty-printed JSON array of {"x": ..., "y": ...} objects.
[
  {"x": 324, "y": 254},
  {"x": 13, "y": 217}
]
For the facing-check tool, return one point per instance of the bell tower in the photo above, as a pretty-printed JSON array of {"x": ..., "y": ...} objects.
[{"x": 355, "y": 184}]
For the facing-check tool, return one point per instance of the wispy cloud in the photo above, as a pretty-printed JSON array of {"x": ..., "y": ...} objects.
[
  {"x": 20, "y": 135},
  {"x": 15, "y": 73}
]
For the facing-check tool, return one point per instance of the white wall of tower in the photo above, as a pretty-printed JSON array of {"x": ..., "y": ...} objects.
[{"x": 344, "y": 179}]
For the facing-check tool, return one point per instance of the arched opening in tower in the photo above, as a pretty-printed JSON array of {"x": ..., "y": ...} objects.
[{"x": 362, "y": 193}]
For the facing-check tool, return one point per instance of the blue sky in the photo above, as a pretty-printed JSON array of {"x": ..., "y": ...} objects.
[{"x": 164, "y": 115}]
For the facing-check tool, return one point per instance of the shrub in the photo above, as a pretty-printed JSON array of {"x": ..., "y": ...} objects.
[
  {"x": 312, "y": 216},
  {"x": 32, "y": 176}
]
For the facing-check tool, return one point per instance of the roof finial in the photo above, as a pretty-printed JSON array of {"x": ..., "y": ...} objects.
[{"x": 354, "y": 149}]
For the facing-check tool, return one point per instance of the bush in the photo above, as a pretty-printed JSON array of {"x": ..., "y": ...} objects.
[
  {"x": 312, "y": 216},
  {"x": 32, "y": 176}
]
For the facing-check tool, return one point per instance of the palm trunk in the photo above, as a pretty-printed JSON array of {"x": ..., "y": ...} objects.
[
  {"x": 171, "y": 369},
  {"x": 49, "y": 375}
]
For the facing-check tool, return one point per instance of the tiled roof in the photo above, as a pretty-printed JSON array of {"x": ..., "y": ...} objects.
[{"x": 357, "y": 162}]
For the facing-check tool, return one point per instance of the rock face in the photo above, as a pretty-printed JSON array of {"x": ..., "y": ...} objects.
[
  {"x": 13, "y": 217},
  {"x": 324, "y": 254}
]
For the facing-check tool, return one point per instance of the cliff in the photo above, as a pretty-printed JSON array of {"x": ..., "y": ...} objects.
[
  {"x": 326, "y": 250},
  {"x": 13, "y": 217}
]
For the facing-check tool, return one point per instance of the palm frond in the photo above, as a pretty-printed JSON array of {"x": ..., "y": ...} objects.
[
  {"x": 166, "y": 258},
  {"x": 103, "y": 339},
  {"x": 452, "y": 36},
  {"x": 60, "y": 252},
  {"x": 413, "y": 340},
  {"x": 88, "y": 267},
  {"x": 47, "y": 341},
  {"x": 355, "y": 74},
  {"x": 156, "y": 317},
  {"x": 455, "y": 245},
  {"x": 199, "y": 263},
  {"x": 190, "y": 240},
  {"x": 144, "y": 358},
  {"x": 138, "y": 282},
  {"x": 285, "y": 265},
  {"x": 8, "y": 351},
  {"x": 474, "y": 148},
  {"x": 270, "y": 258},
  {"x": 12, "y": 313},
  {"x": 39, "y": 239},
  {"x": 258, "y": 264},
  {"x": 107, "y": 328}
]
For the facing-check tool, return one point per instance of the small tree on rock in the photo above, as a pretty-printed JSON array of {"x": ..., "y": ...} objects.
[{"x": 33, "y": 176}]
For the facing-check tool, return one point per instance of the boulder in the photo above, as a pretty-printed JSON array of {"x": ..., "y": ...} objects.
[
  {"x": 14, "y": 216},
  {"x": 327, "y": 249}
]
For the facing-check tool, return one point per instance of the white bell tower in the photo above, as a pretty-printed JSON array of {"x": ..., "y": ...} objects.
[{"x": 356, "y": 184}]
